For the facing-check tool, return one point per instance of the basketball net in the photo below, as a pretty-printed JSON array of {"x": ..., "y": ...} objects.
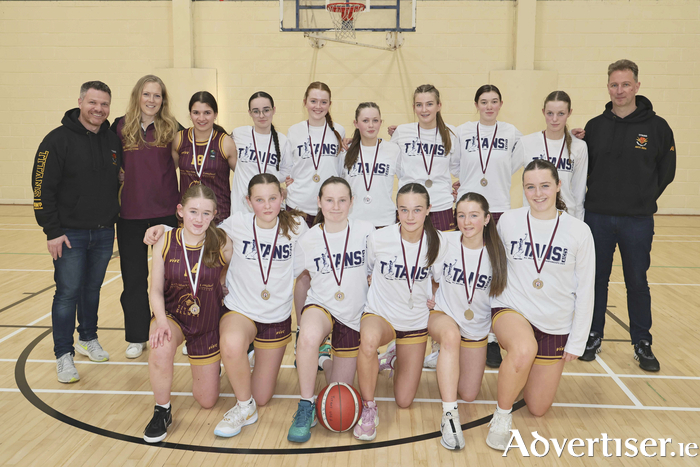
[{"x": 344, "y": 16}]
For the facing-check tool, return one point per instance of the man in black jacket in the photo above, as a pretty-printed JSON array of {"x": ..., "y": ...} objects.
[
  {"x": 75, "y": 182},
  {"x": 631, "y": 160}
]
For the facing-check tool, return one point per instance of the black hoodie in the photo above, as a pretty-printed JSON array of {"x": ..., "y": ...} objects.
[
  {"x": 75, "y": 177},
  {"x": 631, "y": 161}
]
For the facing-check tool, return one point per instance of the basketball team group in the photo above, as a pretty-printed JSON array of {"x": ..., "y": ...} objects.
[{"x": 310, "y": 226}]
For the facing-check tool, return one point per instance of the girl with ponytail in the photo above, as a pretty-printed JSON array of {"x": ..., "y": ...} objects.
[
  {"x": 428, "y": 154},
  {"x": 186, "y": 294},
  {"x": 474, "y": 270},
  {"x": 260, "y": 148},
  {"x": 403, "y": 259},
  {"x": 369, "y": 167},
  {"x": 544, "y": 314},
  {"x": 555, "y": 144}
]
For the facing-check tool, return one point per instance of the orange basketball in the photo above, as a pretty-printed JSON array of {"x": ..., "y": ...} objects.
[{"x": 338, "y": 407}]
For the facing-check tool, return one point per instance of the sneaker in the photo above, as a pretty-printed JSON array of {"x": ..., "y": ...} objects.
[
  {"x": 499, "y": 431},
  {"x": 66, "y": 369},
  {"x": 645, "y": 357},
  {"x": 592, "y": 347},
  {"x": 304, "y": 419},
  {"x": 135, "y": 349},
  {"x": 366, "y": 428},
  {"x": 296, "y": 338},
  {"x": 251, "y": 355},
  {"x": 323, "y": 351},
  {"x": 235, "y": 419},
  {"x": 452, "y": 436},
  {"x": 157, "y": 428},
  {"x": 493, "y": 355},
  {"x": 184, "y": 348},
  {"x": 431, "y": 360},
  {"x": 92, "y": 349},
  {"x": 387, "y": 360}
]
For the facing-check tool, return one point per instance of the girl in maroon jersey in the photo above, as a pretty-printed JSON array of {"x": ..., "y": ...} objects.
[{"x": 189, "y": 265}]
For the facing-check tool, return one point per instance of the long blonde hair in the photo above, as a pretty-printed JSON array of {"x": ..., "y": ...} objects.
[{"x": 165, "y": 123}]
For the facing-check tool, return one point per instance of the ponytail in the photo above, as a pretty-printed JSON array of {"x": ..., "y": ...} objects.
[
  {"x": 276, "y": 140},
  {"x": 543, "y": 164},
  {"x": 431, "y": 234},
  {"x": 288, "y": 219},
  {"x": 215, "y": 237},
  {"x": 567, "y": 140},
  {"x": 329, "y": 120},
  {"x": 353, "y": 151}
]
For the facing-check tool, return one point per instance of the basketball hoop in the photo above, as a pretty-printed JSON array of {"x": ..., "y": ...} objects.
[{"x": 344, "y": 16}]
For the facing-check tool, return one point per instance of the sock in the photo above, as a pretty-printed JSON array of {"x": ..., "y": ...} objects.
[
  {"x": 492, "y": 338},
  {"x": 310, "y": 399},
  {"x": 322, "y": 359},
  {"x": 246, "y": 404},
  {"x": 503, "y": 412},
  {"x": 298, "y": 329},
  {"x": 165, "y": 406},
  {"x": 449, "y": 406}
]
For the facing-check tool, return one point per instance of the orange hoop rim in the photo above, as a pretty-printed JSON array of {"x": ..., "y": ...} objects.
[{"x": 347, "y": 10}]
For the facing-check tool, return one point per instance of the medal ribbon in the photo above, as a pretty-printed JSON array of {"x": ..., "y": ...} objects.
[
  {"x": 257, "y": 155},
  {"x": 342, "y": 259},
  {"x": 272, "y": 252},
  {"x": 534, "y": 248},
  {"x": 311, "y": 145},
  {"x": 194, "y": 154},
  {"x": 432, "y": 156},
  {"x": 415, "y": 269},
  {"x": 466, "y": 277},
  {"x": 478, "y": 145},
  {"x": 563, "y": 145},
  {"x": 364, "y": 172},
  {"x": 193, "y": 282}
]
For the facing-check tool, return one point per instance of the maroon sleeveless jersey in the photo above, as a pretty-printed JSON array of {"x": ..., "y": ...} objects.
[
  {"x": 177, "y": 290},
  {"x": 216, "y": 171}
]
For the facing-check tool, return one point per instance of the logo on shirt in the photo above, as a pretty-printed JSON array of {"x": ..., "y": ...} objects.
[
  {"x": 304, "y": 150},
  {"x": 281, "y": 253},
  {"x": 413, "y": 148},
  {"x": 380, "y": 169},
  {"x": 521, "y": 249},
  {"x": 642, "y": 141},
  {"x": 499, "y": 143},
  {"x": 565, "y": 164},
  {"x": 247, "y": 154},
  {"x": 353, "y": 259},
  {"x": 393, "y": 271},
  {"x": 454, "y": 274},
  {"x": 114, "y": 157}
]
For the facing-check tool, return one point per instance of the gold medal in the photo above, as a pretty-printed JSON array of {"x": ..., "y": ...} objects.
[
  {"x": 469, "y": 314},
  {"x": 538, "y": 284},
  {"x": 428, "y": 183},
  {"x": 316, "y": 178},
  {"x": 340, "y": 296},
  {"x": 484, "y": 182},
  {"x": 265, "y": 294},
  {"x": 194, "y": 309}
]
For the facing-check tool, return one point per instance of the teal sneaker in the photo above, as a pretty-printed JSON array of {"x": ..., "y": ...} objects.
[
  {"x": 304, "y": 419},
  {"x": 323, "y": 352}
]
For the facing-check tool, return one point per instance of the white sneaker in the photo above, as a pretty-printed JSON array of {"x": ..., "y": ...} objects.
[
  {"x": 65, "y": 368},
  {"x": 134, "y": 350},
  {"x": 251, "y": 358},
  {"x": 387, "y": 360},
  {"x": 184, "y": 348},
  {"x": 92, "y": 349},
  {"x": 499, "y": 431},
  {"x": 235, "y": 419},
  {"x": 452, "y": 436},
  {"x": 431, "y": 360}
]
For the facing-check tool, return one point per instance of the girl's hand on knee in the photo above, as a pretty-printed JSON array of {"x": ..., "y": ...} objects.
[
  {"x": 567, "y": 357},
  {"x": 159, "y": 334}
]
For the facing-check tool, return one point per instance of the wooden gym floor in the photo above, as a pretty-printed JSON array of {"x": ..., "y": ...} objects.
[{"x": 100, "y": 420}]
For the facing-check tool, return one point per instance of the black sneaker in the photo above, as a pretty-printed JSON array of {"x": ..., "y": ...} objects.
[
  {"x": 157, "y": 428},
  {"x": 493, "y": 355},
  {"x": 592, "y": 347},
  {"x": 645, "y": 357}
]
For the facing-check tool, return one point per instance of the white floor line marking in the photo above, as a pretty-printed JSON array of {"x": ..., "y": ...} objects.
[
  {"x": 677, "y": 241},
  {"x": 380, "y": 399},
  {"x": 676, "y": 236},
  {"x": 664, "y": 283},
  {"x": 619, "y": 382}
]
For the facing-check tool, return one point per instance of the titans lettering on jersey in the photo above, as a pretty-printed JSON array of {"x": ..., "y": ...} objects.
[
  {"x": 522, "y": 249},
  {"x": 247, "y": 154},
  {"x": 392, "y": 271},
  {"x": 500, "y": 143},
  {"x": 353, "y": 259},
  {"x": 412, "y": 148},
  {"x": 565, "y": 164},
  {"x": 282, "y": 252},
  {"x": 380, "y": 169},
  {"x": 455, "y": 275},
  {"x": 329, "y": 149}
]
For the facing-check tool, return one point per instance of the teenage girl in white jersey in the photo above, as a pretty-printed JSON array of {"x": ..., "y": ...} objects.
[
  {"x": 369, "y": 167},
  {"x": 334, "y": 251},
  {"x": 543, "y": 316},
  {"x": 403, "y": 259},
  {"x": 428, "y": 154},
  {"x": 473, "y": 270},
  {"x": 569, "y": 156},
  {"x": 260, "y": 148}
]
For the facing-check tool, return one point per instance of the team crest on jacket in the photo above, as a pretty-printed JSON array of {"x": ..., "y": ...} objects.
[
  {"x": 522, "y": 249},
  {"x": 642, "y": 141}
]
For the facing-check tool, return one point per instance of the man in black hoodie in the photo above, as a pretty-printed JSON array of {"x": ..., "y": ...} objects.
[
  {"x": 76, "y": 187},
  {"x": 631, "y": 160}
]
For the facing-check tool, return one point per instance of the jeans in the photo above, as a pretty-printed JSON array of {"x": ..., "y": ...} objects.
[
  {"x": 133, "y": 258},
  {"x": 79, "y": 274},
  {"x": 634, "y": 235}
]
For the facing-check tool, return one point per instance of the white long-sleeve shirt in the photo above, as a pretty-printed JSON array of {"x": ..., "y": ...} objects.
[{"x": 564, "y": 305}]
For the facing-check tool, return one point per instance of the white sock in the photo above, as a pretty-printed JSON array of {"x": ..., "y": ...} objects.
[
  {"x": 503, "y": 412},
  {"x": 246, "y": 404},
  {"x": 449, "y": 406},
  {"x": 310, "y": 399},
  {"x": 322, "y": 359},
  {"x": 165, "y": 406},
  {"x": 492, "y": 338}
]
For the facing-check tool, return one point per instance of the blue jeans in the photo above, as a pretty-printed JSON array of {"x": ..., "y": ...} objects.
[
  {"x": 634, "y": 234},
  {"x": 79, "y": 274}
]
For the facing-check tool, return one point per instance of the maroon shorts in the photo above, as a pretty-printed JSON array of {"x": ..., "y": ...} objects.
[
  {"x": 404, "y": 337},
  {"x": 268, "y": 335},
  {"x": 496, "y": 216},
  {"x": 345, "y": 341},
  {"x": 202, "y": 347},
  {"x": 550, "y": 347},
  {"x": 444, "y": 220},
  {"x": 309, "y": 219}
]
